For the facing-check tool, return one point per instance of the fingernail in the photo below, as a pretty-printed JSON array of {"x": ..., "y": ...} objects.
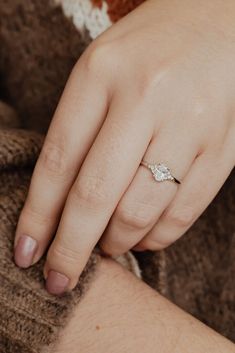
[
  {"x": 25, "y": 251},
  {"x": 56, "y": 283}
]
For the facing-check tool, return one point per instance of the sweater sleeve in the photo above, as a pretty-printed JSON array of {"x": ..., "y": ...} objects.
[{"x": 30, "y": 318}]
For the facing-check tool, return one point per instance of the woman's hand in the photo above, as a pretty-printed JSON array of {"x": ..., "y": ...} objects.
[{"x": 159, "y": 86}]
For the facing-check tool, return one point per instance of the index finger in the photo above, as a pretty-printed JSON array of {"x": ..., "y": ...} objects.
[
  {"x": 106, "y": 173},
  {"x": 76, "y": 122}
]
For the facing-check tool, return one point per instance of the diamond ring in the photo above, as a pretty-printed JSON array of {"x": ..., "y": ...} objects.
[{"x": 160, "y": 172}]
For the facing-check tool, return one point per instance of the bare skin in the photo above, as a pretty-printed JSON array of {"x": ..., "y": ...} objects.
[
  {"x": 159, "y": 85},
  {"x": 121, "y": 314}
]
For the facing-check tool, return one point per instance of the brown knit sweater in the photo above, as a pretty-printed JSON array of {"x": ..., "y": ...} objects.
[
  {"x": 40, "y": 43},
  {"x": 29, "y": 317}
]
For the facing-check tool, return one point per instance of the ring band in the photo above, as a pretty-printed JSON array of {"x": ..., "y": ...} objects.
[{"x": 160, "y": 172}]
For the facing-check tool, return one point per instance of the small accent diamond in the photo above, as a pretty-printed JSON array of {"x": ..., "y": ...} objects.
[{"x": 160, "y": 172}]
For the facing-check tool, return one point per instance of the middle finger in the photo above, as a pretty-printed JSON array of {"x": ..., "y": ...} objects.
[
  {"x": 102, "y": 180},
  {"x": 145, "y": 200}
]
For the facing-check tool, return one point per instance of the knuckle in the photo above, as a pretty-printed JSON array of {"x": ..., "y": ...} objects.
[
  {"x": 31, "y": 214},
  {"x": 53, "y": 159},
  {"x": 138, "y": 218},
  {"x": 99, "y": 56},
  {"x": 91, "y": 190},
  {"x": 61, "y": 254},
  {"x": 151, "y": 80},
  {"x": 182, "y": 217}
]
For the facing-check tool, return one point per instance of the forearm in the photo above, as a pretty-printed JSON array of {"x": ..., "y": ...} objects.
[{"x": 119, "y": 313}]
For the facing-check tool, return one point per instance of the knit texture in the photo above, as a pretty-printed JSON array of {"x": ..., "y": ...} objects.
[
  {"x": 116, "y": 9},
  {"x": 40, "y": 42},
  {"x": 197, "y": 272},
  {"x": 29, "y": 317},
  {"x": 39, "y": 47}
]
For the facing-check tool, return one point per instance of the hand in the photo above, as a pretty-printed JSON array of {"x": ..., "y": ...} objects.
[{"x": 159, "y": 86}]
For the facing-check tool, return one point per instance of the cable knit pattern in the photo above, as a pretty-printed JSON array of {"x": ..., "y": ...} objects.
[
  {"x": 96, "y": 15},
  {"x": 116, "y": 9},
  {"x": 85, "y": 16}
]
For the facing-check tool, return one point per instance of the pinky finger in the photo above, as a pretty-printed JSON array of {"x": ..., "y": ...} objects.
[{"x": 200, "y": 186}]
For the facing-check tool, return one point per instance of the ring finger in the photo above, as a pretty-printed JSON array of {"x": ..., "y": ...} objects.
[
  {"x": 194, "y": 196},
  {"x": 145, "y": 199}
]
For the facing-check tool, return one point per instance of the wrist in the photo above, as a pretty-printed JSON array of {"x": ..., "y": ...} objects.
[{"x": 120, "y": 313}]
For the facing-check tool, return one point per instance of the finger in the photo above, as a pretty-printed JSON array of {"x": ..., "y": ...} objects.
[
  {"x": 107, "y": 171},
  {"x": 146, "y": 199},
  {"x": 76, "y": 122},
  {"x": 198, "y": 189}
]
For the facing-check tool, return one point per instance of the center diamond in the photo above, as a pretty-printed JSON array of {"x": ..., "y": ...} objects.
[{"x": 160, "y": 172}]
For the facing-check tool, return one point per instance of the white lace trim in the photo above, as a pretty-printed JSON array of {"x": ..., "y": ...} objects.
[{"x": 85, "y": 15}]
